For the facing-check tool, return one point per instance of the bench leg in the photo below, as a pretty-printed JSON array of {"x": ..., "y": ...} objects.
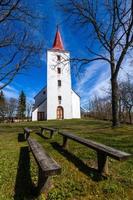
[
  {"x": 64, "y": 142},
  {"x": 102, "y": 163},
  {"x": 51, "y": 134},
  {"x": 26, "y": 135},
  {"x": 43, "y": 182},
  {"x": 41, "y": 131}
]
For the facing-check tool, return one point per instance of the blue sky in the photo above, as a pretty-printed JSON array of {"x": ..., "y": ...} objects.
[{"x": 93, "y": 80}]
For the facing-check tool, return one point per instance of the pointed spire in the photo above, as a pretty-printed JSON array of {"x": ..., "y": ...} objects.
[{"x": 58, "y": 44}]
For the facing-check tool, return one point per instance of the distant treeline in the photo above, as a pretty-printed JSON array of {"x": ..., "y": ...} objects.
[
  {"x": 101, "y": 108},
  {"x": 12, "y": 109}
]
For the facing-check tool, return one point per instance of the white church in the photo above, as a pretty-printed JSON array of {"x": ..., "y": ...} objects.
[{"x": 57, "y": 100}]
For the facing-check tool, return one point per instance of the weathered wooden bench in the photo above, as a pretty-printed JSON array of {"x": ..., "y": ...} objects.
[
  {"x": 47, "y": 165},
  {"x": 27, "y": 132},
  {"x": 50, "y": 130},
  {"x": 103, "y": 151}
]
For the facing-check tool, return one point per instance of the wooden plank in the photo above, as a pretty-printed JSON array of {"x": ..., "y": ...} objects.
[
  {"x": 51, "y": 130},
  {"x": 27, "y": 132},
  {"x": 114, "y": 153},
  {"x": 47, "y": 164},
  {"x": 48, "y": 129}
]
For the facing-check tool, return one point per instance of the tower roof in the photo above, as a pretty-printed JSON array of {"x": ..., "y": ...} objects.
[{"x": 58, "y": 44}]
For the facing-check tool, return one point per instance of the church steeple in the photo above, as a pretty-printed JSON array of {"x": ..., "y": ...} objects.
[{"x": 58, "y": 44}]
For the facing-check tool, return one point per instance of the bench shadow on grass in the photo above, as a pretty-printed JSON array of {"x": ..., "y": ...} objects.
[
  {"x": 24, "y": 186},
  {"x": 90, "y": 172},
  {"x": 21, "y": 137}
]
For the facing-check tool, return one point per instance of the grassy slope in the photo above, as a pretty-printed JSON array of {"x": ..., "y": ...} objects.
[{"x": 77, "y": 181}]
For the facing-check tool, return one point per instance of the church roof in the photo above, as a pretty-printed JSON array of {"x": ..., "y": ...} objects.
[{"x": 58, "y": 44}]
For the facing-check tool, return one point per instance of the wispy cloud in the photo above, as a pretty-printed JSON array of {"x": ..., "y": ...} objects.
[
  {"x": 11, "y": 92},
  {"x": 95, "y": 80}
]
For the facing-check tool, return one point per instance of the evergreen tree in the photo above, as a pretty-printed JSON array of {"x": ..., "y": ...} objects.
[
  {"x": 21, "y": 105},
  {"x": 2, "y": 106}
]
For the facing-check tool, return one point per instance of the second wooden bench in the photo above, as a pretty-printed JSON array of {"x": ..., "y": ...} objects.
[
  {"x": 102, "y": 150},
  {"x": 50, "y": 130}
]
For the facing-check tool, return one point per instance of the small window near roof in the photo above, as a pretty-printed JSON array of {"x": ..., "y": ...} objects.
[
  {"x": 59, "y": 83},
  {"x": 44, "y": 92},
  {"x": 59, "y": 70},
  {"x": 58, "y": 57}
]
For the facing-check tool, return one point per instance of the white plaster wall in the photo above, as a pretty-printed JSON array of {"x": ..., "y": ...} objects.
[
  {"x": 53, "y": 91},
  {"x": 76, "y": 113},
  {"x": 34, "y": 115},
  {"x": 41, "y": 108}
]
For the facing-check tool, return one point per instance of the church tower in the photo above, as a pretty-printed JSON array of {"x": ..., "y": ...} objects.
[{"x": 59, "y": 98}]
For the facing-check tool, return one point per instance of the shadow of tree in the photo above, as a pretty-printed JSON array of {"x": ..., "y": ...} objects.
[
  {"x": 90, "y": 172},
  {"x": 24, "y": 189}
]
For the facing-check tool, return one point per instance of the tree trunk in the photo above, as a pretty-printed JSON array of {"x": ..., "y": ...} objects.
[
  {"x": 130, "y": 115},
  {"x": 120, "y": 110},
  {"x": 115, "y": 116}
]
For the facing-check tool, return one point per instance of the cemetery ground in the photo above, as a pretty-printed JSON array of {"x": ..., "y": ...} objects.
[{"x": 78, "y": 180}]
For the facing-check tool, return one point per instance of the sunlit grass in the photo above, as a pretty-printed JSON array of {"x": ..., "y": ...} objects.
[{"x": 77, "y": 181}]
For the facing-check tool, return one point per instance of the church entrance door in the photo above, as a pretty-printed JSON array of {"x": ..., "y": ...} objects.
[
  {"x": 60, "y": 112},
  {"x": 41, "y": 116}
]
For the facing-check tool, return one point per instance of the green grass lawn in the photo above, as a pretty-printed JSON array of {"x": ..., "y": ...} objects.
[{"x": 78, "y": 181}]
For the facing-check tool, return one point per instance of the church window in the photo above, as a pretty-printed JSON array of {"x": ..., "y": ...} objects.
[
  {"x": 59, "y": 83},
  {"x": 59, "y": 99},
  {"x": 59, "y": 70},
  {"x": 58, "y": 57}
]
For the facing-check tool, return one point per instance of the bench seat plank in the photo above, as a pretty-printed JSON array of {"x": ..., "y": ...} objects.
[
  {"x": 47, "y": 164},
  {"x": 109, "y": 151},
  {"x": 27, "y": 132}
]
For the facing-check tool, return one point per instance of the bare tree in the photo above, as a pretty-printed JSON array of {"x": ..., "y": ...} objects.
[
  {"x": 19, "y": 49},
  {"x": 110, "y": 24},
  {"x": 11, "y": 108},
  {"x": 29, "y": 107},
  {"x": 126, "y": 93},
  {"x": 2, "y": 106},
  {"x": 100, "y": 108}
]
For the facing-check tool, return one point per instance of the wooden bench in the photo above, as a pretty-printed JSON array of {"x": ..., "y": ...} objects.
[
  {"x": 27, "y": 132},
  {"x": 47, "y": 165},
  {"x": 51, "y": 130},
  {"x": 103, "y": 151}
]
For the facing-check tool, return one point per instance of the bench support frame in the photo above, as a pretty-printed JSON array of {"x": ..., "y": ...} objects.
[
  {"x": 43, "y": 182},
  {"x": 65, "y": 143},
  {"x": 102, "y": 161},
  {"x": 43, "y": 130}
]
